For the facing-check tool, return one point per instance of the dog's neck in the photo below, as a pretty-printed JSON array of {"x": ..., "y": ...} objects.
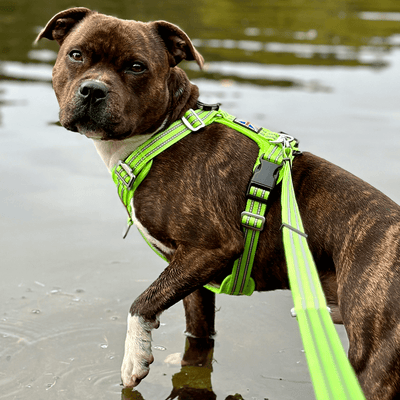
[{"x": 111, "y": 151}]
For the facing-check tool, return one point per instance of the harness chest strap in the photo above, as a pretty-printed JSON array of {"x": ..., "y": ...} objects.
[{"x": 128, "y": 175}]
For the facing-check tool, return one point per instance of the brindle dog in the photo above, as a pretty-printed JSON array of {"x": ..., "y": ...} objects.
[{"x": 117, "y": 82}]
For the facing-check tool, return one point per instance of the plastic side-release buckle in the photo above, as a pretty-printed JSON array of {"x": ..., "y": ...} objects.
[{"x": 264, "y": 177}]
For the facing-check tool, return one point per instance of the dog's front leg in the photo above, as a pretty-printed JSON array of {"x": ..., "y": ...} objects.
[
  {"x": 189, "y": 270},
  {"x": 200, "y": 314},
  {"x": 137, "y": 355},
  {"x": 200, "y": 326}
]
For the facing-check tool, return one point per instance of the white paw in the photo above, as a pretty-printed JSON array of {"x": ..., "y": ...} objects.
[{"x": 138, "y": 356}]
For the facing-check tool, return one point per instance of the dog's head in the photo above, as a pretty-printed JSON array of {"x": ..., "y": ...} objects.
[{"x": 117, "y": 78}]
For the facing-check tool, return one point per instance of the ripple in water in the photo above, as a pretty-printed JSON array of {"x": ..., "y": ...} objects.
[{"x": 70, "y": 352}]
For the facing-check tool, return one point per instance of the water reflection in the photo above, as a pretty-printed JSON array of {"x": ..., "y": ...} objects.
[
  {"x": 193, "y": 381},
  {"x": 347, "y": 32},
  {"x": 330, "y": 33},
  {"x": 301, "y": 53}
]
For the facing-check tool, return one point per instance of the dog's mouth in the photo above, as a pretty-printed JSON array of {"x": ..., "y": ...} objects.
[
  {"x": 100, "y": 123},
  {"x": 95, "y": 121},
  {"x": 88, "y": 127}
]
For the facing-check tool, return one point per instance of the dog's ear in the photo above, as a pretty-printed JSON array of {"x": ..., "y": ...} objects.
[
  {"x": 61, "y": 24},
  {"x": 178, "y": 44}
]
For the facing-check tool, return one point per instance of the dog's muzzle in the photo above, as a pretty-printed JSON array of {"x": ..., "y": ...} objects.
[{"x": 90, "y": 111}]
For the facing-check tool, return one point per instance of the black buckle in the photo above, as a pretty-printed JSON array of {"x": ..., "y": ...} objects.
[
  {"x": 208, "y": 107},
  {"x": 264, "y": 177}
]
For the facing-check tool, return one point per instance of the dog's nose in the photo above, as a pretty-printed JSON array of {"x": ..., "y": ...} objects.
[{"x": 93, "y": 91}]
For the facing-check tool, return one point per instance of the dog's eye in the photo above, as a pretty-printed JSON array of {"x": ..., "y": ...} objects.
[
  {"x": 137, "y": 68},
  {"x": 75, "y": 55}
]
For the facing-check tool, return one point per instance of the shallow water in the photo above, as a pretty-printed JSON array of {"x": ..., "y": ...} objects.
[{"x": 328, "y": 76}]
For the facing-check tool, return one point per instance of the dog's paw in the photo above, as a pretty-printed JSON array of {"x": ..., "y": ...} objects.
[
  {"x": 138, "y": 355},
  {"x": 134, "y": 368}
]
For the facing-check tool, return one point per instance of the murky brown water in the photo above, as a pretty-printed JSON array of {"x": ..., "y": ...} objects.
[{"x": 327, "y": 74}]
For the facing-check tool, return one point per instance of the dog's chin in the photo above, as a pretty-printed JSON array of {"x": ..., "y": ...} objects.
[
  {"x": 97, "y": 134},
  {"x": 89, "y": 128}
]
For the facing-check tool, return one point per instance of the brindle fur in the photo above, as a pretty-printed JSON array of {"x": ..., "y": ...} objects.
[{"x": 193, "y": 196}]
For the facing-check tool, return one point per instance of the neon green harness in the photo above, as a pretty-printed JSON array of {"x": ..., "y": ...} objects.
[
  {"x": 331, "y": 373},
  {"x": 130, "y": 173}
]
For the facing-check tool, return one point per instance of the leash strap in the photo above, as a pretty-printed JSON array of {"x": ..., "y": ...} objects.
[{"x": 332, "y": 376}]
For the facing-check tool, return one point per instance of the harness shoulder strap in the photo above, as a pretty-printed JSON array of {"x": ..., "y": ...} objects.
[{"x": 266, "y": 175}]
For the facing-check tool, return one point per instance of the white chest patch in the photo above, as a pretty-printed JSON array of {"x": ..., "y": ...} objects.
[
  {"x": 111, "y": 151},
  {"x": 156, "y": 243}
]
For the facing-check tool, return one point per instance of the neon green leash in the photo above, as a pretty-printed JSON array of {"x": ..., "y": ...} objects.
[
  {"x": 332, "y": 376},
  {"x": 331, "y": 373}
]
